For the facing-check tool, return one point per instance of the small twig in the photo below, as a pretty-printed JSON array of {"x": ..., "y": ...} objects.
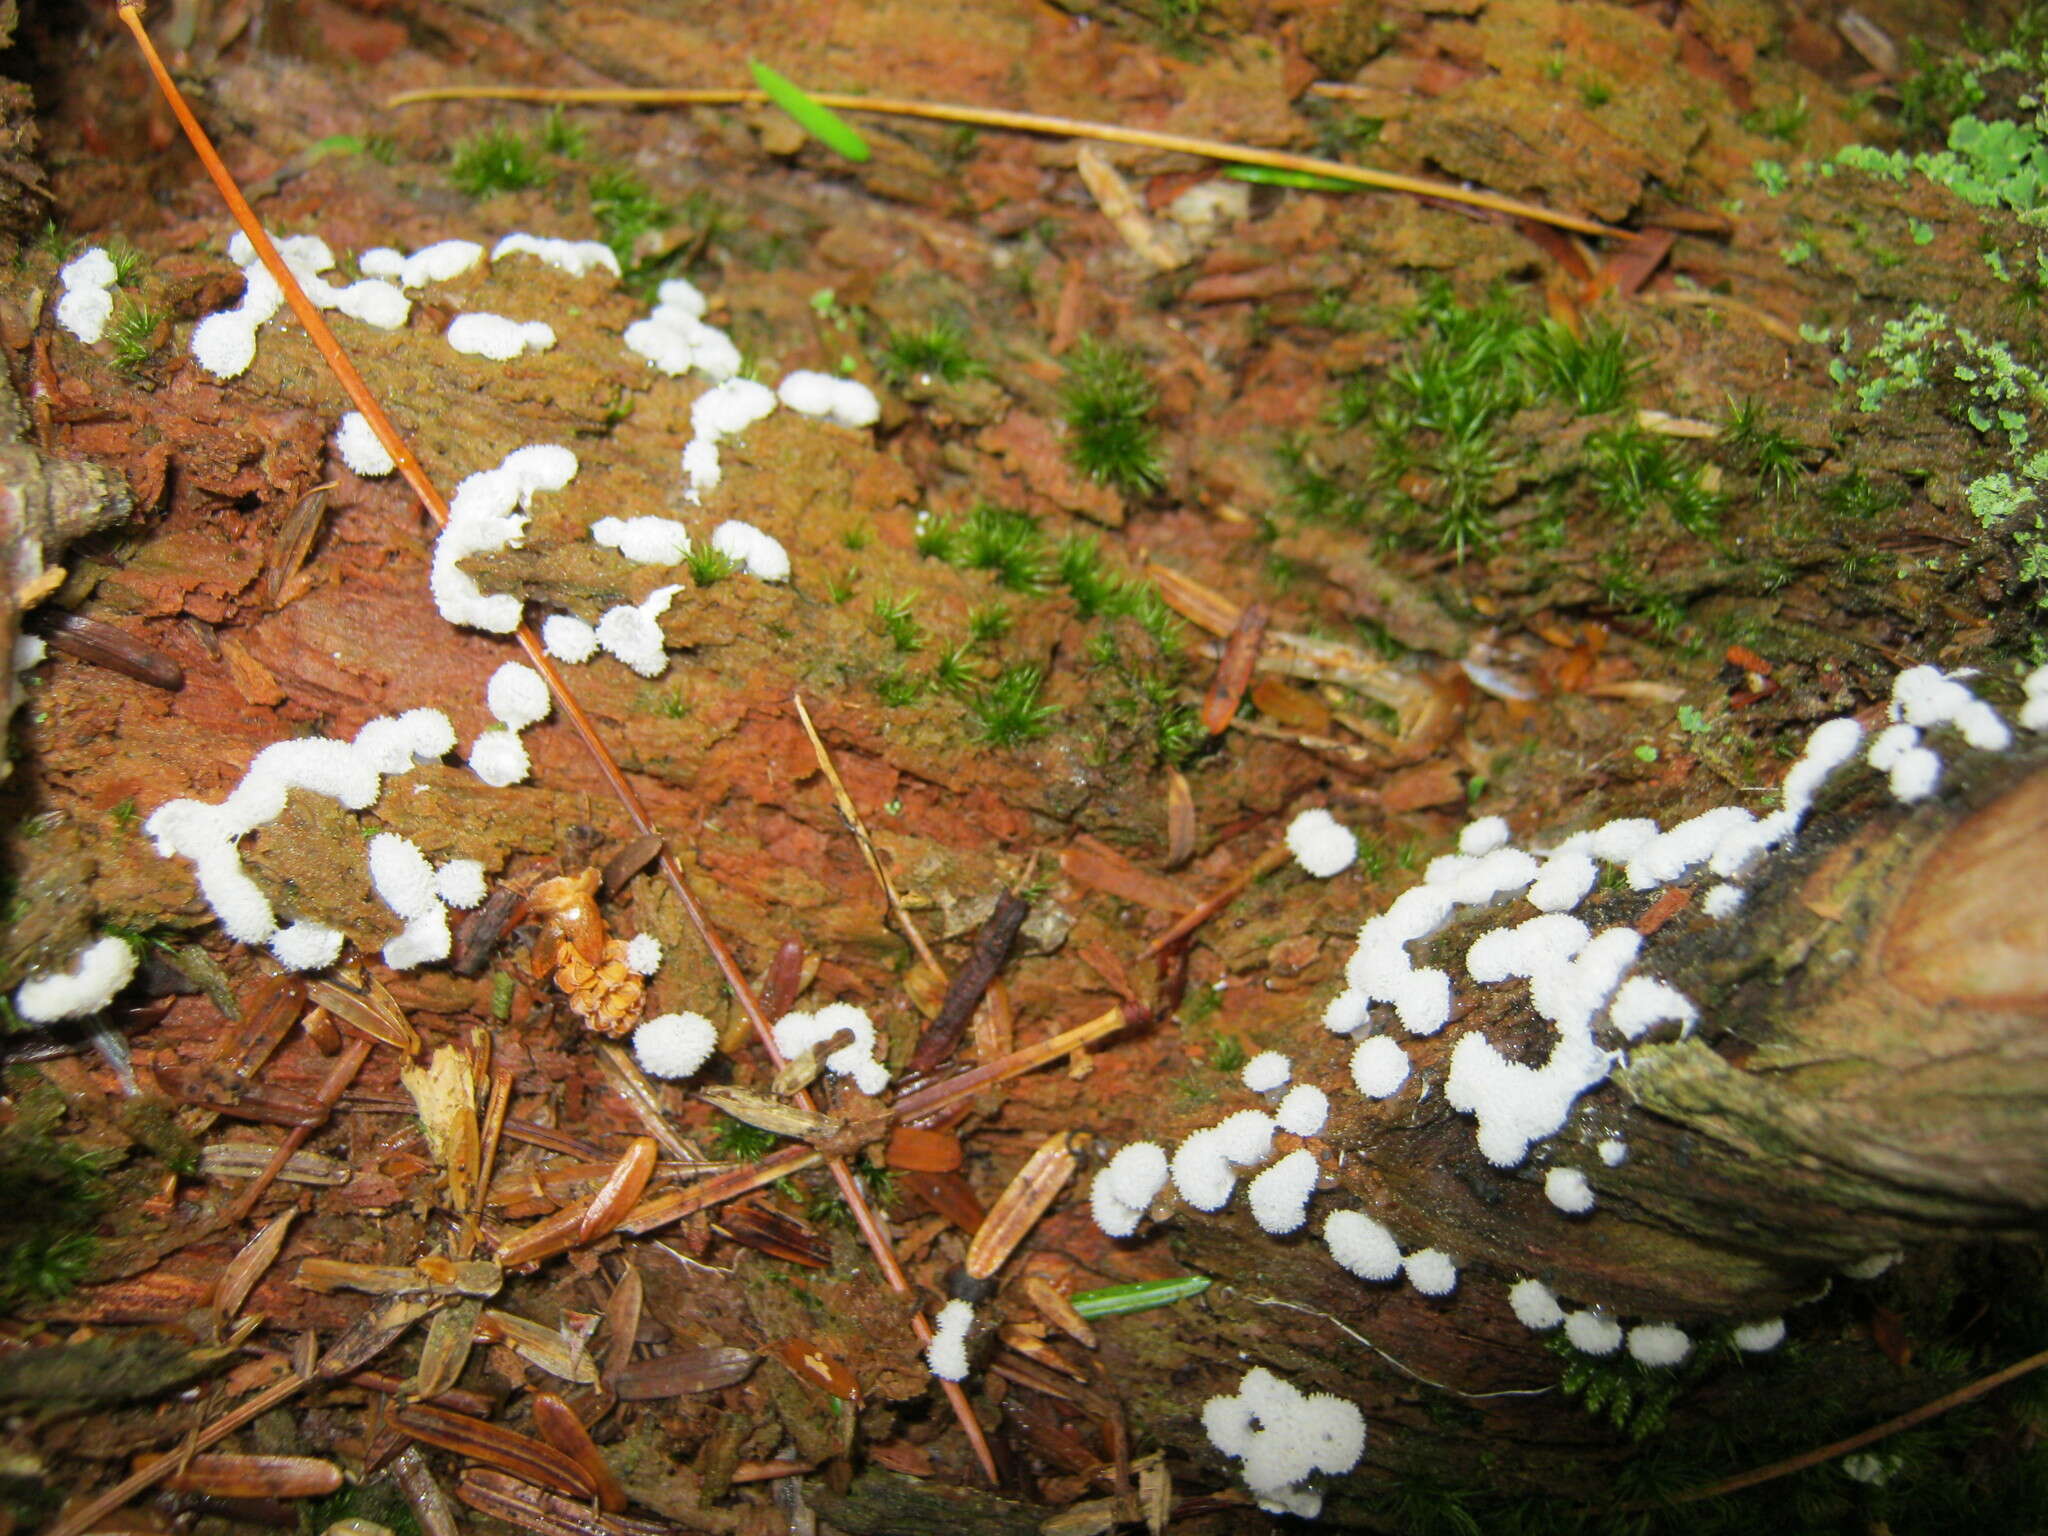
[
  {"x": 992, "y": 946},
  {"x": 1217, "y": 900},
  {"x": 1814, "y": 1458},
  {"x": 336, "y": 1083},
  {"x": 850, "y": 814},
  {"x": 1405, "y": 1370},
  {"x": 1034, "y": 122}
]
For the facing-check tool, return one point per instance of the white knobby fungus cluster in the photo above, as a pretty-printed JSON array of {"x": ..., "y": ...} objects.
[
  {"x": 349, "y": 772},
  {"x": 496, "y": 338},
  {"x": 1362, "y": 1245},
  {"x": 725, "y": 409},
  {"x": 1321, "y": 844},
  {"x": 488, "y": 513},
  {"x": 846, "y": 402},
  {"x": 632, "y": 632},
  {"x": 517, "y": 697},
  {"x": 1284, "y": 1437},
  {"x": 575, "y": 257},
  {"x": 567, "y": 638},
  {"x": 1379, "y": 1067},
  {"x": 676, "y": 340},
  {"x": 224, "y": 344},
  {"x": 95, "y": 974},
  {"x": 360, "y": 449},
  {"x": 1302, "y": 1110},
  {"x": 759, "y": 554},
  {"x": 441, "y": 262},
  {"x": 87, "y": 302},
  {"x": 674, "y": 1045},
  {"x": 1280, "y": 1194},
  {"x": 1127, "y": 1185},
  {"x": 643, "y": 540},
  {"x": 2034, "y": 712},
  {"x": 643, "y": 954},
  {"x": 947, "y": 1352},
  {"x": 1569, "y": 1190},
  {"x": 405, "y": 882},
  {"x": 1205, "y": 1164},
  {"x": 796, "y": 1033},
  {"x": 1267, "y": 1072}
]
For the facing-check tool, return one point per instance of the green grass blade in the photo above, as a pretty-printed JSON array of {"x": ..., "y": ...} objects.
[
  {"x": 1273, "y": 176},
  {"x": 1115, "y": 1300},
  {"x": 821, "y": 123}
]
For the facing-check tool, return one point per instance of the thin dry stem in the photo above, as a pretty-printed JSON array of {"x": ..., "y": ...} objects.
[{"x": 1033, "y": 122}]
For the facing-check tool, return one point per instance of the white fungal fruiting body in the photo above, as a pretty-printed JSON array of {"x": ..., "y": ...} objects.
[
  {"x": 1128, "y": 1183},
  {"x": 2034, "y": 712},
  {"x": 847, "y": 402},
  {"x": 731, "y": 407},
  {"x": 644, "y": 540},
  {"x": 224, "y": 344},
  {"x": 1756, "y": 1338},
  {"x": 1871, "y": 1266},
  {"x": 1202, "y": 1171},
  {"x": 29, "y": 651},
  {"x": 441, "y": 262},
  {"x": 759, "y": 554},
  {"x": 1592, "y": 1332},
  {"x": 486, "y": 514},
  {"x": 1483, "y": 835},
  {"x": 574, "y": 257},
  {"x": 1564, "y": 881},
  {"x": 1658, "y": 1344},
  {"x": 96, "y": 973},
  {"x": 796, "y": 1033},
  {"x": 1321, "y": 844},
  {"x": 87, "y": 302},
  {"x": 1431, "y": 1271},
  {"x": 675, "y": 338},
  {"x": 499, "y": 758},
  {"x": 1723, "y": 900},
  {"x": 1535, "y": 1306},
  {"x": 1280, "y": 1195},
  {"x": 402, "y": 877},
  {"x": 947, "y": 1352},
  {"x": 633, "y": 634},
  {"x": 567, "y": 638},
  {"x": 496, "y": 338},
  {"x": 1303, "y": 1110},
  {"x": 306, "y": 946},
  {"x": 460, "y": 883},
  {"x": 359, "y": 448},
  {"x": 424, "y": 940},
  {"x": 1568, "y": 1190},
  {"x": 517, "y": 696},
  {"x": 1644, "y": 1001},
  {"x": 1613, "y": 1151},
  {"x": 1379, "y": 1067},
  {"x": 674, "y": 1045},
  {"x": 1362, "y": 1245},
  {"x": 1347, "y": 1011},
  {"x": 643, "y": 954},
  {"x": 1267, "y": 1072},
  {"x": 1284, "y": 1437}
]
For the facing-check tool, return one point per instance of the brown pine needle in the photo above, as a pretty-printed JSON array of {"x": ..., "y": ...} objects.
[
  {"x": 352, "y": 384},
  {"x": 1033, "y": 122}
]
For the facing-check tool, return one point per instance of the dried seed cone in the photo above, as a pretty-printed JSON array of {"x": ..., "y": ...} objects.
[{"x": 605, "y": 996}]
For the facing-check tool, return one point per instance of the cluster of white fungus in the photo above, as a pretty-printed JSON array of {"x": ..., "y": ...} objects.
[
  {"x": 947, "y": 1352},
  {"x": 1569, "y": 1190},
  {"x": 224, "y": 344},
  {"x": 517, "y": 697},
  {"x": 725, "y": 409},
  {"x": 567, "y": 638},
  {"x": 441, "y": 262},
  {"x": 360, "y": 448},
  {"x": 796, "y": 1033},
  {"x": 674, "y": 1044},
  {"x": 1302, "y": 1110},
  {"x": 1267, "y": 1072},
  {"x": 643, "y": 540},
  {"x": 96, "y": 973},
  {"x": 643, "y": 954},
  {"x": 488, "y": 513},
  {"x": 2034, "y": 712},
  {"x": 497, "y": 339},
  {"x": 1284, "y": 1437},
  {"x": 349, "y": 772},
  {"x": 632, "y": 633},
  {"x": 1127, "y": 1185},
  {"x": 87, "y": 302},
  {"x": 846, "y": 402},
  {"x": 1321, "y": 844},
  {"x": 676, "y": 340},
  {"x": 1205, "y": 1164},
  {"x": 575, "y": 257},
  {"x": 759, "y": 554}
]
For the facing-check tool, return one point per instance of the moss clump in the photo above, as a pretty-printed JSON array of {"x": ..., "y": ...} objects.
[
  {"x": 55, "y": 1194},
  {"x": 495, "y": 162},
  {"x": 1109, "y": 400}
]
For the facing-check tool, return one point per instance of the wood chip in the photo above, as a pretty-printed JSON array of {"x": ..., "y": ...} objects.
[
  {"x": 107, "y": 645},
  {"x": 255, "y": 682},
  {"x": 1234, "y": 671},
  {"x": 521, "y": 1456},
  {"x": 1090, "y": 862},
  {"x": 815, "y": 1367},
  {"x": 622, "y": 1319},
  {"x": 1054, "y": 1307},
  {"x": 1181, "y": 827},
  {"x": 1162, "y": 246},
  {"x": 682, "y": 1371},
  {"x": 620, "y": 1192},
  {"x": 925, "y": 1151},
  {"x": 294, "y": 541},
  {"x": 1016, "y": 1211},
  {"x": 367, "y": 1014},
  {"x": 561, "y": 1428},
  {"x": 622, "y": 866},
  {"x": 223, "y": 1476},
  {"x": 249, "y": 1266}
]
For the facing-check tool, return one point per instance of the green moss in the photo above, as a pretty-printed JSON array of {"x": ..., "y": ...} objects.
[
  {"x": 1109, "y": 401},
  {"x": 1011, "y": 710},
  {"x": 708, "y": 565},
  {"x": 494, "y": 162},
  {"x": 55, "y": 1195},
  {"x": 132, "y": 333},
  {"x": 937, "y": 349},
  {"x": 895, "y": 620}
]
